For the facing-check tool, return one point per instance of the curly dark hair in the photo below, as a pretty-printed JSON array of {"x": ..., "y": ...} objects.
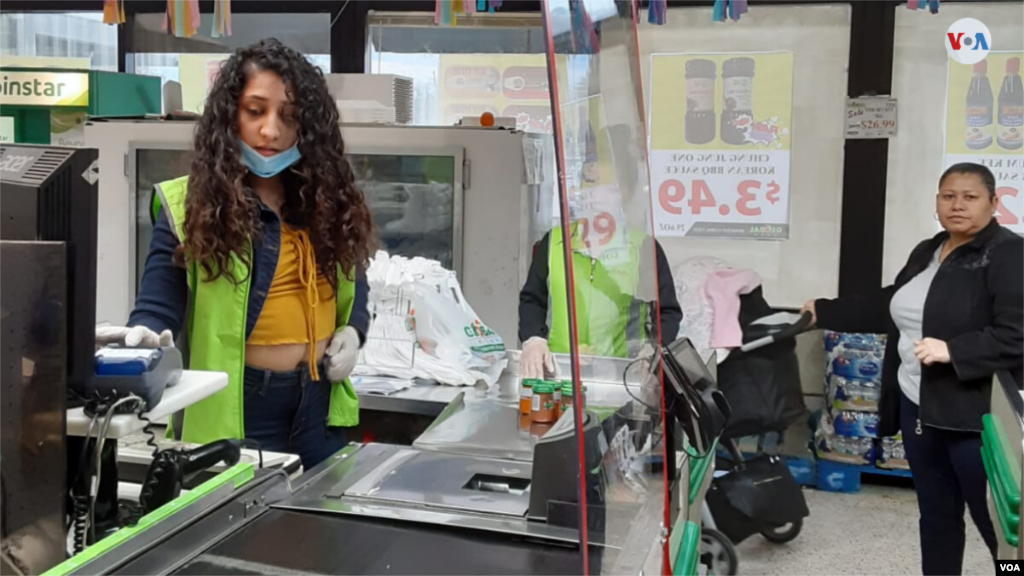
[{"x": 222, "y": 211}]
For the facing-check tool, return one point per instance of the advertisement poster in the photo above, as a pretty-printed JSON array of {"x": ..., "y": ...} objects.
[
  {"x": 513, "y": 85},
  {"x": 720, "y": 144},
  {"x": 67, "y": 128},
  {"x": 196, "y": 73},
  {"x": 6, "y": 129},
  {"x": 984, "y": 122}
]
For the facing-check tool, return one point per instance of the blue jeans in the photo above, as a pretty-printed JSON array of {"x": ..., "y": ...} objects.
[
  {"x": 948, "y": 474},
  {"x": 287, "y": 412}
]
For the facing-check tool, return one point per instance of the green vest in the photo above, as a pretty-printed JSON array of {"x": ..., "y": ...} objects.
[
  {"x": 607, "y": 313},
  {"x": 216, "y": 338}
]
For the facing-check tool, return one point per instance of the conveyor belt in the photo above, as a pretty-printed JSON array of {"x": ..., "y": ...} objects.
[{"x": 283, "y": 542}]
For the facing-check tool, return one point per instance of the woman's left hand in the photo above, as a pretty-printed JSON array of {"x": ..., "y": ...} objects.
[{"x": 931, "y": 351}]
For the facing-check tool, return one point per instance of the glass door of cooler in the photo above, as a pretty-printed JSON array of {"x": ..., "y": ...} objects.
[{"x": 415, "y": 197}]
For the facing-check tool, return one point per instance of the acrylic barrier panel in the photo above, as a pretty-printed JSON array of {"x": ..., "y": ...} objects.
[{"x": 603, "y": 281}]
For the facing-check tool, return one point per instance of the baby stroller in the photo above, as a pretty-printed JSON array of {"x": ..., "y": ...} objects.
[{"x": 761, "y": 382}]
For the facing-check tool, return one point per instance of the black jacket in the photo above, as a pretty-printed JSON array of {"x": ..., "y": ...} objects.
[
  {"x": 533, "y": 298},
  {"x": 975, "y": 305}
]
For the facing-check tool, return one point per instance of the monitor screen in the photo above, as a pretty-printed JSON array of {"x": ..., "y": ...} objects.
[{"x": 50, "y": 194}]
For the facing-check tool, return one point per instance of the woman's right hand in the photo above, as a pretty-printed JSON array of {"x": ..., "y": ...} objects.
[
  {"x": 810, "y": 307},
  {"x": 133, "y": 337}
]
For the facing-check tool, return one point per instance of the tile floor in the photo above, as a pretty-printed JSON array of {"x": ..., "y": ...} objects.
[{"x": 836, "y": 538}]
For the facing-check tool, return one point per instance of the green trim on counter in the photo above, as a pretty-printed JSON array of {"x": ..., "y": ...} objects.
[
  {"x": 689, "y": 551},
  {"x": 699, "y": 469},
  {"x": 993, "y": 436},
  {"x": 1009, "y": 521},
  {"x": 238, "y": 475}
]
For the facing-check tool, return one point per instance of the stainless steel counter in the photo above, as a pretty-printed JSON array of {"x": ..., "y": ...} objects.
[{"x": 601, "y": 376}]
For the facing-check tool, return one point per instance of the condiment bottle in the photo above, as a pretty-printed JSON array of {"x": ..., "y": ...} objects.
[
  {"x": 526, "y": 395},
  {"x": 566, "y": 404},
  {"x": 738, "y": 98},
  {"x": 979, "y": 109},
  {"x": 699, "y": 127},
  {"x": 1009, "y": 133},
  {"x": 543, "y": 406}
]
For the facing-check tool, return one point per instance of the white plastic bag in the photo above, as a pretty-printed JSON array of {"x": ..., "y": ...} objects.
[
  {"x": 448, "y": 328},
  {"x": 420, "y": 326}
]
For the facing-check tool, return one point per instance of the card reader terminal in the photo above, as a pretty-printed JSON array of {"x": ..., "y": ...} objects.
[{"x": 144, "y": 372}]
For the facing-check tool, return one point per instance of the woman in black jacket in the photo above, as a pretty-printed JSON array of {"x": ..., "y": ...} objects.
[{"x": 954, "y": 316}]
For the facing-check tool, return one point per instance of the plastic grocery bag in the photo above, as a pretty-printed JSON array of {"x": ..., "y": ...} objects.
[
  {"x": 424, "y": 328},
  {"x": 448, "y": 328}
]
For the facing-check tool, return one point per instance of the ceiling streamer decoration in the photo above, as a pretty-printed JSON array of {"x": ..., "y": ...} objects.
[
  {"x": 183, "y": 18},
  {"x": 113, "y": 11},
  {"x": 221, "y": 18},
  {"x": 932, "y": 5}
]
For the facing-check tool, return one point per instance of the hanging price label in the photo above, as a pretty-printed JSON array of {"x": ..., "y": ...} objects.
[{"x": 870, "y": 117}]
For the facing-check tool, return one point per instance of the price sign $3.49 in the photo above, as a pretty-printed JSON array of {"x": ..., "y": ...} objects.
[{"x": 673, "y": 194}]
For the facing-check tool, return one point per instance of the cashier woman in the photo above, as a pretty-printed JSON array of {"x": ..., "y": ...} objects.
[
  {"x": 262, "y": 241},
  {"x": 610, "y": 318}
]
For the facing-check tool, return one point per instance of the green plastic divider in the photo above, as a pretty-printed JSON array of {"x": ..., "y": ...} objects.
[
  {"x": 689, "y": 551},
  {"x": 237, "y": 475},
  {"x": 698, "y": 469},
  {"x": 1007, "y": 473},
  {"x": 1009, "y": 521}
]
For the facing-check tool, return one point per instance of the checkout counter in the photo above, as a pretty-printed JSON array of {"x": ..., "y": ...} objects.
[
  {"x": 475, "y": 493},
  {"x": 1002, "y": 451}
]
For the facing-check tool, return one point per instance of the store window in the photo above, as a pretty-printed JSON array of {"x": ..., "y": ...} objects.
[
  {"x": 194, "y": 62},
  {"x": 58, "y": 39},
  {"x": 488, "y": 63}
]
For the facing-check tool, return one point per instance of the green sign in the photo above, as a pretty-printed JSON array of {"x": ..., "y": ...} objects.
[{"x": 45, "y": 88}]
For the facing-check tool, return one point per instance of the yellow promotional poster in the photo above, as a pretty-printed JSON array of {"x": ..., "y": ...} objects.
[
  {"x": 720, "y": 145},
  {"x": 6, "y": 129},
  {"x": 45, "y": 88},
  {"x": 67, "y": 128},
  {"x": 512, "y": 85},
  {"x": 985, "y": 124},
  {"x": 196, "y": 73}
]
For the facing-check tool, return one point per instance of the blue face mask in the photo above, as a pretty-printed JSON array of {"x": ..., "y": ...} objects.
[{"x": 268, "y": 166}]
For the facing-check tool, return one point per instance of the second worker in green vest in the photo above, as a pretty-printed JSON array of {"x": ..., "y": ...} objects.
[{"x": 611, "y": 319}]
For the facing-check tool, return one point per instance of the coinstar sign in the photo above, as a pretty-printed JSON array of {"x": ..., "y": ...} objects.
[{"x": 44, "y": 88}]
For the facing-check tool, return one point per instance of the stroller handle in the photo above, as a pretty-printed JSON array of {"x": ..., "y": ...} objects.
[{"x": 799, "y": 327}]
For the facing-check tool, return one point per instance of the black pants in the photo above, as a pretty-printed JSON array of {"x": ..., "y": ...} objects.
[{"x": 947, "y": 474}]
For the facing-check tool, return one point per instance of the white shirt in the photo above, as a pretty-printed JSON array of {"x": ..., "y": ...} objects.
[{"x": 907, "y": 310}]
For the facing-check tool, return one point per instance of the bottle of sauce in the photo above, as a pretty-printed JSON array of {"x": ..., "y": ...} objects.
[
  {"x": 543, "y": 407},
  {"x": 526, "y": 396},
  {"x": 979, "y": 109},
  {"x": 737, "y": 93},
  {"x": 1009, "y": 133},
  {"x": 699, "y": 127}
]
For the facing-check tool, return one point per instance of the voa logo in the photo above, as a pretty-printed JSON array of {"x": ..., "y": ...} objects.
[
  {"x": 1005, "y": 567},
  {"x": 968, "y": 41}
]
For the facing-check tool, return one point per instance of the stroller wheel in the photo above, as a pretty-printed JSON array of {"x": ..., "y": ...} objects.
[
  {"x": 718, "y": 553},
  {"x": 784, "y": 533}
]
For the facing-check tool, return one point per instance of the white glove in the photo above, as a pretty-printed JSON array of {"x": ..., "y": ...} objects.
[
  {"x": 342, "y": 353},
  {"x": 536, "y": 361},
  {"x": 133, "y": 337}
]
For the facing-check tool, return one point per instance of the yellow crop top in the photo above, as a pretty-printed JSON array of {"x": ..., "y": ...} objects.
[{"x": 300, "y": 306}]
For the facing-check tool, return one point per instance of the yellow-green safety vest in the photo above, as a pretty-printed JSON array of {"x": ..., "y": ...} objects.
[
  {"x": 608, "y": 316},
  {"x": 216, "y": 337}
]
